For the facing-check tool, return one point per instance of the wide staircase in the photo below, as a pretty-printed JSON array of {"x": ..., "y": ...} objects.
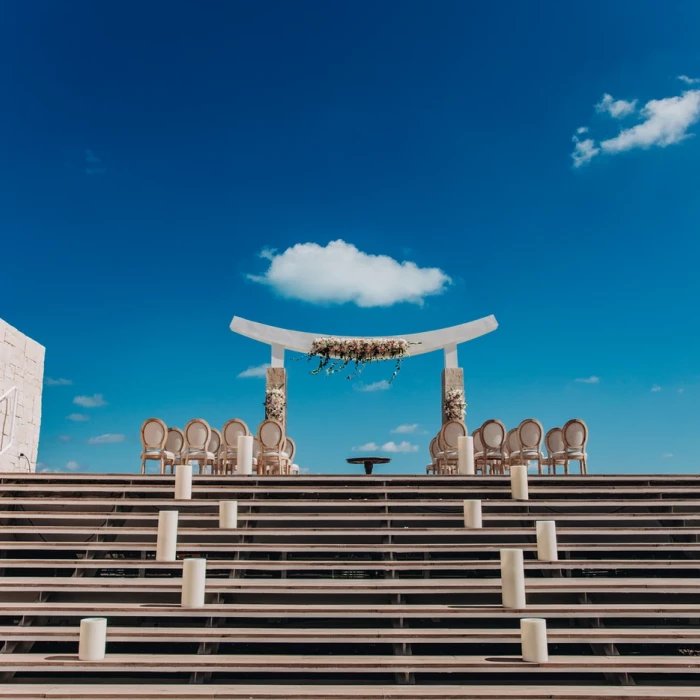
[{"x": 350, "y": 587}]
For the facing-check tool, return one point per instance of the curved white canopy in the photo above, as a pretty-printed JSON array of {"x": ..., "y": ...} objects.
[{"x": 445, "y": 339}]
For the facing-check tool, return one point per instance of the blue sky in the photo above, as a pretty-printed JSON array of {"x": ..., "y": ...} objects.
[{"x": 151, "y": 151}]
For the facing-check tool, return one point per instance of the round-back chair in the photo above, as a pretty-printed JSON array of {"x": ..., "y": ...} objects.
[
  {"x": 530, "y": 433},
  {"x": 575, "y": 436},
  {"x": 154, "y": 434},
  {"x": 174, "y": 444},
  {"x": 197, "y": 437},
  {"x": 272, "y": 456},
  {"x": 433, "y": 449},
  {"x": 554, "y": 444},
  {"x": 493, "y": 437},
  {"x": 228, "y": 454},
  {"x": 447, "y": 442}
]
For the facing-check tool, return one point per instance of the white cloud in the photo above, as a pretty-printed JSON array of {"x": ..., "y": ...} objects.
[
  {"x": 689, "y": 81},
  {"x": 254, "y": 371},
  {"x": 584, "y": 151},
  {"x": 656, "y": 388},
  {"x": 94, "y": 401},
  {"x": 589, "y": 380},
  {"x": 667, "y": 455},
  {"x": 64, "y": 438},
  {"x": 582, "y": 130},
  {"x": 78, "y": 417},
  {"x": 390, "y": 446},
  {"x": 681, "y": 390},
  {"x": 406, "y": 428},
  {"x": 666, "y": 122},
  {"x": 72, "y": 466},
  {"x": 339, "y": 273},
  {"x": 57, "y": 382},
  {"x": 106, "y": 439},
  {"x": 403, "y": 446},
  {"x": 618, "y": 109},
  {"x": 381, "y": 385}
]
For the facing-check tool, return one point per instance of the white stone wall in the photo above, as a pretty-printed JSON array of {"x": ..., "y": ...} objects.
[{"x": 21, "y": 365}]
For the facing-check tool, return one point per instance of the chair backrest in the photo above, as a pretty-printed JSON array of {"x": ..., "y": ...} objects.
[
  {"x": 197, "y": 434},
  {"x": 214, "y": 441},
  {"x": 512, "y": 441},
  {"x": 493, "y": 434},
  {"x": 554, "y": 441},
  {"x": 290, "y": 448},
  {"x": 270, "y": 434},
  {"x": 154, "y": 433},
  {"x": 175, "y": 441},
  {"x": 256, "y": 446},
  {"x": 452, "y": 430},
  {"x": 433, "y": 448},
  {"x": 530, "y": 433},
  {"x": 478, "y": 442},
  {"x": 575, "y": 434},
  {"x": 232, "y": 430}
]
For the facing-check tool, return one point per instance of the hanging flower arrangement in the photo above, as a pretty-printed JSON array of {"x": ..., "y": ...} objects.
[
  {"x": 335, "y": 354},
  {"x": 275, "y": 404},
  {"x": 455, "y": 405}
]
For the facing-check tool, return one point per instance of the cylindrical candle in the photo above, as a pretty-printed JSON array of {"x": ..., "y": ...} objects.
[
  {"x": 93, "y": 639},
  {"x": 546, "y": 540},
  {"x": 245, "y": 455},
  {"x": 183, "y": 482},
  {"x": 518, "y": 482},
  {"x": 166, "y": 546},
  {"x": 472, "y": 514},
  {"x": 228, "y": 514},
  {"x": 512, "y": 578},
  {"x": 465, "y": 455},
  {"x": 533, "y": 639},
  {"x": 194, "y": 574}
]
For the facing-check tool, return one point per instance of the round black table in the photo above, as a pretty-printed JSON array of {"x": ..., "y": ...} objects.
[{"x": 369, "y": 462}]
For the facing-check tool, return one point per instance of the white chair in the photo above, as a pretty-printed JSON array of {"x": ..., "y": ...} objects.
[
  {"x": 154, "y": 434},
  {"x": 197, "y": 437},
  {"x": 228, "y": 454},
  {"x": 575, "y": 435},
  {"x": 215, "y": 448},
  {"x": 493, "y": 437},
  {"x": 480, "y": 464},
  {"x": 290, "y": 448},
  {"x": 432, "y": 468},
  {"x": 554, "y": 443},
  {"x": 175, "y": 444},
  {"x": 447, "y": 443},
  {"x": 273, "y": 459},
  {"x": 530, "y": 434}
]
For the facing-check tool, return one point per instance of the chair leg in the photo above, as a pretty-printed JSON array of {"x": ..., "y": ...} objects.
[{"x": 143, "y": 466}]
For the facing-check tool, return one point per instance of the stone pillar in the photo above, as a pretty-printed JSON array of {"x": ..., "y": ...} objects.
[
  {"x": 277, "y": 379},
  {"x": 452, "y": 378}
]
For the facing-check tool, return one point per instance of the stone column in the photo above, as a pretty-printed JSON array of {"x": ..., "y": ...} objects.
[
  {"x": 277, "y": 379},
  {"x": 452, "y": 378}
]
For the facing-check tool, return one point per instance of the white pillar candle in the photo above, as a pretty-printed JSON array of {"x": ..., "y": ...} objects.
[
  {"x": 465, "y": 455},
  {"x": 93, "y": 639},
  {"x": 228, "y": 514},
  {"x": 533, "y": 639},
  {"x": 546, "y": 540},
  {"x": 194, "y": 576},
  {"x": 166, "y": 546},
  {"x": 245, "y": 455},
  {"x": 512, "y": 578},
  {"x": 472, "y": 514},
  {"x": 518, "y": 482},
  {"x": 183, "y": 482}
]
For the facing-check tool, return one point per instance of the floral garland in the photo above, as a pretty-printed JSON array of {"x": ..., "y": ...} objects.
[
  {"x": 455, "y": 405},
  {"x": 335, "y": 354},
  {"x": 275, "y": 404}
]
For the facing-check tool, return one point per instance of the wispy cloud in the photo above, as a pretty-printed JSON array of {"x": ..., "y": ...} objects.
[
  {"x": 689, "y": 81},
  {"x": 381, "y": 385},
  {"x": 254, "y": 371},
  {"x": 339, "y": 273},
  {"x": 588, "y": 380},
  {"x": 64, "y": 438},
  {"x": 94, "y": 401},
  {"x": 106, "y": 439},
  {"x": 78, "y": 417},
  {"x": 663, "y": 122},
  {"x": 93, "y": 164},
  {"x": 72, "y": 466},
  {"x": 390, "y": 447},
  {"x": 406, "y": 428},
  {"x": 667, "y": 455},
  {"x": 617, "y": 109},
  {"x": 681, "y": 390},
  {"x": 656, "y": 388},
  {"x": 57, "y": 382}
]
